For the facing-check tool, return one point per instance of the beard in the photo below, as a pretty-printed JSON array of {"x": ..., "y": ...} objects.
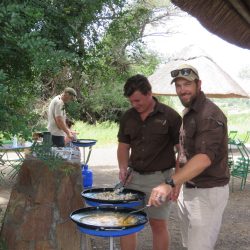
[{"x": 188, "y": 103}]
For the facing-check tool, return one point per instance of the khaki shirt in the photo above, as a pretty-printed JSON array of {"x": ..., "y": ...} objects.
[
  {"x": 205, "y": 131},
  {"x": 56, "y": 108},
  {"x": 152, "y": 140}
]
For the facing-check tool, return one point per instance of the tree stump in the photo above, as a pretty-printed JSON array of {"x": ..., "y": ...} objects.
[{"x": 37, "y": 215}]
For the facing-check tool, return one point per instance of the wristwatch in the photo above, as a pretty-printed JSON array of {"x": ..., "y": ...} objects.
[{"x": 170, "y": 182}]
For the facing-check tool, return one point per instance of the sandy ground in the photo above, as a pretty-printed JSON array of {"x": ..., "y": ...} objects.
[{"x": 235, "y": 230}]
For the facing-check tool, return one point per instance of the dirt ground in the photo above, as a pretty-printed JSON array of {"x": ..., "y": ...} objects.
[{"x": 235, "y": 230}]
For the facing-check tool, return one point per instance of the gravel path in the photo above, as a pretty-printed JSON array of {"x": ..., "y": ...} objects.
[{"x": 236, "y": 222}]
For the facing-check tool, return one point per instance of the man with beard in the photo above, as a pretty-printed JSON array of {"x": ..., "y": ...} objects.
[
  {"x": 147, "y": 135},
  {"x": 203, "y": 164}
]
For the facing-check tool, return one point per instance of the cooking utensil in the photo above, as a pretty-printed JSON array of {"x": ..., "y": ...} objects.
[
  {"x": 135, "y": 211},
  {"x": 90, "y": 197},
  {"x": 119, "y": 187}
]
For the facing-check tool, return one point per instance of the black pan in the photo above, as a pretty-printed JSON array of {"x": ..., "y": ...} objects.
[
  {"x": 107, "y": 231},
  {"x": 84, "y": 142},
  {"x": 137, "y": 200}
]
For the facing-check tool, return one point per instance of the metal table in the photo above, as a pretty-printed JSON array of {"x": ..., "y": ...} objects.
[
  {"x": 5, "y": 151},
  {"x": 12, "y": 156}
]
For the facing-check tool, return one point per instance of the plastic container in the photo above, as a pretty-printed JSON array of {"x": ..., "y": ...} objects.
[
  {"x": 87, "y": 176},
  {"x": 47, "y": 140}
]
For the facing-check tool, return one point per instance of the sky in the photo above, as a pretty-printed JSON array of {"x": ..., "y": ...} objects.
[{"x": 228, "y": 56}]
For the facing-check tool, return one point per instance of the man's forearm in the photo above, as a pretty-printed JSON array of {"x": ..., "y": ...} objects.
[
  {"x": 123, "y": 155},
  {"x": 62, "y": 125},
  {"x": 191, "y": 169}
]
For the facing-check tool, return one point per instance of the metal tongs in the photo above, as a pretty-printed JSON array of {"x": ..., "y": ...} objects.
[{"x": 119, "y": 187}]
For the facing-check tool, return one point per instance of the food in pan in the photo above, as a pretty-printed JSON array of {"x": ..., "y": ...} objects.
[
  {"x": 109, "y": 219},
  {"x": 112, "y": 195}
]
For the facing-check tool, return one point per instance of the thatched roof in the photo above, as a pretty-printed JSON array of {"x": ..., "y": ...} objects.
[
  {"x": 215, "y": 81},
  {"x": 229, "y": 19}
]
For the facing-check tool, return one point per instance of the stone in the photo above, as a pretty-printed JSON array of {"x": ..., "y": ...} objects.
[{"x": 37, "y": 215}]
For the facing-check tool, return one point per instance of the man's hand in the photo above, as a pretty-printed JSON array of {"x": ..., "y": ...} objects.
[
  {"x": 159, "y": 194},
  {"x": 125, "y": 175},
  {"x": 70, "y": 135}
]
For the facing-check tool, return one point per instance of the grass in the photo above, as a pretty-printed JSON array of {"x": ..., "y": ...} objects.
[
  {"x": 105, "y": 133},
  {"x": 237, "y": 112}
]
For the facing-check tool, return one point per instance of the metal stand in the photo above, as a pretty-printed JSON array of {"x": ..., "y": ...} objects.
[
  {"x": 111, "y": 243},
  {"x": 83, "y": 155},
  {"x": 82, "y": 144}
]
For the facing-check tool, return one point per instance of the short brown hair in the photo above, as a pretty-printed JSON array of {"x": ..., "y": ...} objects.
[{"x": 137, "y": 83}]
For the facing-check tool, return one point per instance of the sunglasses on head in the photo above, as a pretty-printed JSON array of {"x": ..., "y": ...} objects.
[{"x": 183, "y": 72}]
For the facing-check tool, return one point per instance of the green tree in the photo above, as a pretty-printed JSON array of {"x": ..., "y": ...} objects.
[{"x": 92, "y": 46}]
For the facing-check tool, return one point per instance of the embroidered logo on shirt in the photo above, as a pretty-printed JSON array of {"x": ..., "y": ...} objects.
[{"x": 163, "y": 122}]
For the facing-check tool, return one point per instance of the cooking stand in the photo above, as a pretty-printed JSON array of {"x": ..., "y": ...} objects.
[
  {"x": 83, "y": 144},
  {"x": 107, "y": 231},
  {"x": 111, "y": 234},
  {"x": 87, "y": 174},
  {"x": 111, "y": 244}
]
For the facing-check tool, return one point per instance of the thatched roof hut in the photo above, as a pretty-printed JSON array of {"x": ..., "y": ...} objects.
[
  {"x": 215, "y": 81},
  {"x": 229, "y": 19}
]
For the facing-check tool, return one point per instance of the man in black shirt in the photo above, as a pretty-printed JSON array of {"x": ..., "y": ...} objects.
[{"x": 147, "y": 135}]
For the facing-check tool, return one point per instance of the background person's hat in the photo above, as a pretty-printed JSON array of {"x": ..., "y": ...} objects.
[
  {"x": 181, "y": 72},
  {"x": 71, "y": 91}
]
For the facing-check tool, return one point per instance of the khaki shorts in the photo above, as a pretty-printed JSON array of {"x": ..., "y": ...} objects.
[
  {"x": 200, "y": 211},
  {"x": 145, "y": 183}
]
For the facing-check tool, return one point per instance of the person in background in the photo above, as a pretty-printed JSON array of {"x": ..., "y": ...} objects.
[
  {"x": 57, "y": 117},
  {"x": 74, "y": 133},
  {"x": 203, "y": 164},
  {"x": 147, "y": 135}
]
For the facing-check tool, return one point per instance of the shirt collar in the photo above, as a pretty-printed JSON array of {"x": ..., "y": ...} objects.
[{"x": 157, "y": 108}]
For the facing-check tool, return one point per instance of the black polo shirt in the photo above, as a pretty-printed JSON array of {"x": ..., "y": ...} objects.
[
  {"x": 152, "y": 140},
  {"x": 205, "y": 128}
]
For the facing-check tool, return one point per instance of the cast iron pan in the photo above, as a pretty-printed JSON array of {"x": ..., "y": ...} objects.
[
  {"x": 89, "y": 196},
  {"x": 108, "y": 231},
  {"x": 84, "y": 142}
]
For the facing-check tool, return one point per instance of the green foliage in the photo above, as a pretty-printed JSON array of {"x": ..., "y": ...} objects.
[
  {"x": 17, "y": 92},
  {"x": 93, "y": 46},
  {"x": 44, "y": 153}
]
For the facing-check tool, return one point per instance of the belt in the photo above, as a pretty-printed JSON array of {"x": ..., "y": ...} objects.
[
  {"x": 148, "y": 172},
  {"x": 190, "y": 185}
]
